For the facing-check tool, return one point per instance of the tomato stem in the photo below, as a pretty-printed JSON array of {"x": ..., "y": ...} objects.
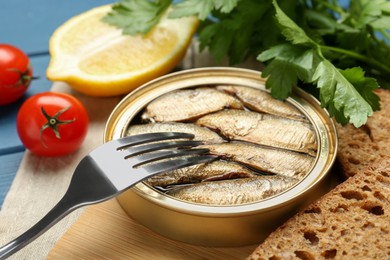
[
  {"x": 24, "y": 77},
  {"x": 53, "y": 122}
]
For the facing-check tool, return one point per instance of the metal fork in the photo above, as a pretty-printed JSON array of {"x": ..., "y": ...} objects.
[{"x": 113, "y": 168}]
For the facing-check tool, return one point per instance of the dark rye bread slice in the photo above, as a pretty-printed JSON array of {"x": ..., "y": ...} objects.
[
  {"x": 359, "y": 147},
  {"x": 350, "y": 222}
]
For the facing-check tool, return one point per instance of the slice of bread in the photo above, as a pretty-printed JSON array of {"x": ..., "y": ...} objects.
[
  {"x": 359, "y": 147},
  {"x": 350, "y": 222}
]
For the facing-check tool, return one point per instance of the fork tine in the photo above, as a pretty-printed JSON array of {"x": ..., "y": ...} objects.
[
  {"x": 133, "y": 151},
  {"x": 150, "y": 137},
  {"x": 151, "y": 157},
  {"x": 170, "y": 165}
]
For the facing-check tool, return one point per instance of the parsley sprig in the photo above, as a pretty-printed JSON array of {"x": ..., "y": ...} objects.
[{"x": 340, "y": 54}]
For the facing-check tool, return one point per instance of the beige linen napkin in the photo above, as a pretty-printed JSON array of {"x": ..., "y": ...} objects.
[{"x": 40, "y": 182}]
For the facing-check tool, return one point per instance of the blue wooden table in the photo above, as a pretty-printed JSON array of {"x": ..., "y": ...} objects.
[{"x": 29, "y": 25}]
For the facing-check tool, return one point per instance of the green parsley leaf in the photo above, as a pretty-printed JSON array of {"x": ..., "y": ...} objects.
[
  {"x": 340, "y": 96},
  {"x": 325, "y": 24},
  {"x": 364, "y": 85},
  {"x": 234, "y": 34},
  {"x": 202, "y": 8},
  {"x": 218, "y": 37},
  {"x": 290, "y": 29},
  {"x": 381, "y": 23},
  {"x": 370, "y": 12},
  {"x": 289, "y": 63},
  {"x": 337, "y": 92},
  {"x": 301, "y": 60},
  {"x": 136, "y": 16},
  {"x": 281, "y": 78},
  {"x": 225, "y": 6}
]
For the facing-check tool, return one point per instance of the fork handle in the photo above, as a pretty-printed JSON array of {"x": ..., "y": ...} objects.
[{"x": 60, "y": 210}]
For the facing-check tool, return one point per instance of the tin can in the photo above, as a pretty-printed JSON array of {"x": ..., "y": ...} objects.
[{"x": 221, "y": 226}]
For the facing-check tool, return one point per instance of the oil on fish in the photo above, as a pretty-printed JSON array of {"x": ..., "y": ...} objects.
[
  {"x": 261, "y": 101},
  {"x": 188, "y": 104},
  {"x": 200, "y": 133},
  {"x": 265, "y": 159},
  {"x": 262, "y": 129},
  {"x": 216, "y": 170},
  {"x": 235, "y": 191}
]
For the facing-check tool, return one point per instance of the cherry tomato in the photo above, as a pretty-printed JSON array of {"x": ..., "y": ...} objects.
[
  {"x": 52, "y": 124},
  {"x": 15, "y": 73}
]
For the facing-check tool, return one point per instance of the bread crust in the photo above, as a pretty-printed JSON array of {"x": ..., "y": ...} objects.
[
  {"x": 350, "y": 222},
  {"x": 360, "y": 147}
]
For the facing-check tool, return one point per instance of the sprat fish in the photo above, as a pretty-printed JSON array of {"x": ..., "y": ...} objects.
[
  {"x": 265, "y": 159},
  {"x": 200, "y": 133},
  {"x": 217, "y": 170},
  {"x": 262, "y": 101},
  {"x": 233, "y": 192},
  {"x": 262, "y": 129},
  {"x": 189, "y": 104}
]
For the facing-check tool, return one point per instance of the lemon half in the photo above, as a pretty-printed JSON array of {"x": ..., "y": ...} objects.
[{"x": 96, "y": 59}]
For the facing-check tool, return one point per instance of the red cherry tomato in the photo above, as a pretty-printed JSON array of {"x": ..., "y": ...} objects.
[
  {"x": 52, "y": 124},
  {"x": 15, "y": 73}
]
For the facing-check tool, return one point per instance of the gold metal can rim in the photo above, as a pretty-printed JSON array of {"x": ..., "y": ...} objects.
[{"x": 324, "y": 127}]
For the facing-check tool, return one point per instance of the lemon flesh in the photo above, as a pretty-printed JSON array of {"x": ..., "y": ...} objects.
[{"x": 96, "y": 59}]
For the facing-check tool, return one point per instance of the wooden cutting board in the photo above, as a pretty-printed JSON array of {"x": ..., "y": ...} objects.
[{"x": 104, "y": 231}]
